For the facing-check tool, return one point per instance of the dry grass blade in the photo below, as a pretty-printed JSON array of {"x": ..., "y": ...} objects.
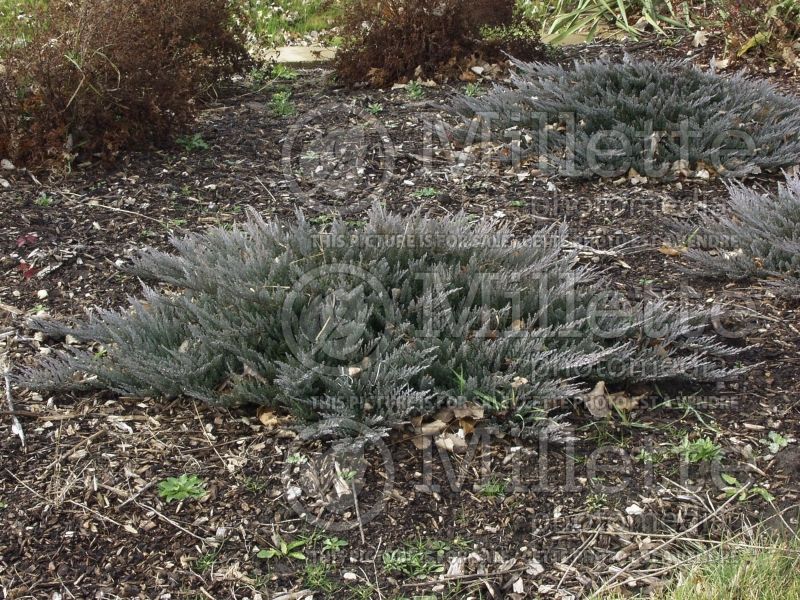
[
  {"x": 612, "y": 583},
  {"x": 16, "y": 426}
]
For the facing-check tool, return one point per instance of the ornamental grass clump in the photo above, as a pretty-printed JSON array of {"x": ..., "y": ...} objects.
[
  {"x": 377, "y": 322},
  {"x": 609, "y": 119},
  {"x": 759, "y": 238}
]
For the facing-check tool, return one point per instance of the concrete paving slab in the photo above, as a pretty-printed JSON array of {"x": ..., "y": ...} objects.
[{"x": 301, "y": 55}]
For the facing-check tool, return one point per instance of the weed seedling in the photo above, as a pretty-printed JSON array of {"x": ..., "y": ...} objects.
[
  {"x": 411, "y": 562},
  {"x": 775, "y": 442},
  {"x": 348, "y": 474},
  {"x": 375, "y": 108},
  {"x": 192, "y": 143},
  {"x": 473, "y": 90},
  {"x": 281, "y": 72},
  {"x": 284, "y": 549},
  {"x": 255, "y": 485},
  {"x": 43, "y": 200},
  {"x": 595, "y": 502},
  {"x": 414, "y": 90},
  {"x": 649, "y": 457},
  {"x": 333, "y": 544},
  {"x": 700, "y": 450},
  {"x": 494, "y": 488},
  {"x": 204, "y": 562},
  {"x": 734, "y": 488},
  {"x": 296, "y": 459},
  {"x": 281, "y": 103},
  {"x": 175, "y": 223},
  {"x": 426, "y": 192},
  {"x": 181, "y": 488},
  {"x": 461, "y": 543},
  {"x": 316, "y": 578},
  {"x": 362, "y": 592},
  {"x": 278, "y": 72}
]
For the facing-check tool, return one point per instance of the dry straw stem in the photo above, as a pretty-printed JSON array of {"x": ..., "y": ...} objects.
[
  {"x": 683, "y": 537},
  {"x": 16, "y": 426}
]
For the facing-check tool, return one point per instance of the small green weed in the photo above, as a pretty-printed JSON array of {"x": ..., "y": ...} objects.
[
  {"x": 420, "y": 558},
  {"x": 204, "y": 562},
  {"x": 333, "y": 544},
  {"x": 700, "y": 450},
  {"x": 175, "y": 223},
  {"x": 409, "y": 563},
  {"x": 281, "y": 72},
  {"x": 181, "y": 488},
  {"x": 43, "y": 200},
  {"x": 362, "y": 592},
  {"x": 494, "y": 488},
  {"x": 473, "y": 90},
  {"x": 426, "y": 192},
  {"x": 297, "y": 459},
  {"x": 278, "y": 72},
  {"x": 375, "y": 108},
  {"x": 284, "y": 549},
  {"x": 595, "y": 502},
  {"x": 414, "y": 90},
  {"x": 316, "y": 578},
  {"x": 461, "y": 543},
  {"x": 734, "y": 488},
  {"x": 775, "y": 442},
  {"x": 281, "y": 103},
  {"x": 649, "y": 457},
  {"x": 255, "y": 485},
  {"x": 192, "y": 143},
  {"x": 348, "y": 474}
]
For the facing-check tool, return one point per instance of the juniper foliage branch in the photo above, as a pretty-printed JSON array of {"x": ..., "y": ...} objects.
[
  {"x": 378, "y": 322},
  {"x": 758, "y": 238},
  {"x": 658, "y": 119}
]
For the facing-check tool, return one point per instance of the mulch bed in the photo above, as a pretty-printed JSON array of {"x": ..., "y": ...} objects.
[{"x": 80, "y": 515}]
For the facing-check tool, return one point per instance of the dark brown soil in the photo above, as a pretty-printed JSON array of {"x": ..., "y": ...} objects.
[{"x": 80, "y": 515}]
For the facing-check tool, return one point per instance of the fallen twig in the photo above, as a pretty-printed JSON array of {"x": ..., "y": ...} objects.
[
  {"x": 135, "y": 495},
  {"x": 358, "y": 512},
  {"x": 16, "y": 426},
  {"x": 129, "y": 212},
  {"x": 468, "y": 576},
  {"x": 576, "y": 555},
  {"x": 168, "y": 520}
]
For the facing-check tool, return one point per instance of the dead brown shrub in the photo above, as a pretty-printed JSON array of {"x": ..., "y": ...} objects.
[
  {"x": 395, "y": 40},
  {"x": 99, "y": 76}
]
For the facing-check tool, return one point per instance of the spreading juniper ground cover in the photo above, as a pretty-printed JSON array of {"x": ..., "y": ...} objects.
[
  {"x": 378, "y": 322},
  {"x": 760, "y": 238},
  {"x": 659, "y": 119}
]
